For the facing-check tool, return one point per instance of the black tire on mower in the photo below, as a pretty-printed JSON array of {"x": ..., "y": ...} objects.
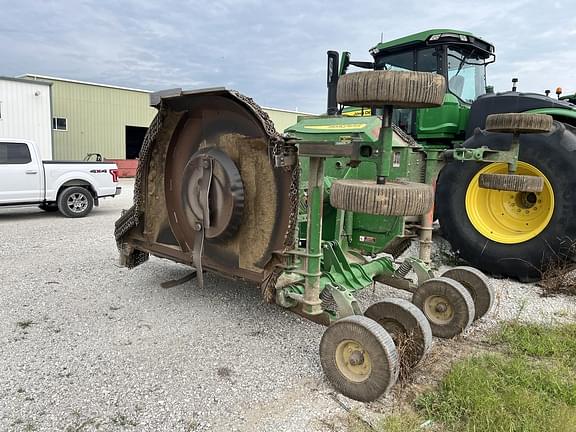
[
  {"x": 457, "y": 307},
  {"x": 397, "y": 88},
  {"x": 477, "y": 285},
  {"x": 554, "y": 155},
  {"x": 378, "y": 369},
  {"x": 511, "y": 182},
  {"x": 523, "y": 123},
  {"x": 395, "y": 198},
  {"x": 408, "y": 327}
]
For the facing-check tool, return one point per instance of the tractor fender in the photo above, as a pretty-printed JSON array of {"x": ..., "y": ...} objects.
[
  {"x": 562, "y": 115},
  {"x": 566, "y": 136}
]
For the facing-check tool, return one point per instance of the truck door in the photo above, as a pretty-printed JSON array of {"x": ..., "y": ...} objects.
[{"x": 20, "y": 174}]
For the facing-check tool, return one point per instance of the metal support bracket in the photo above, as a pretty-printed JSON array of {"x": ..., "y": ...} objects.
[
  {"x": 398, "y": 278},
  {"x": 204, "y": 224},
  {"x": 486, "y": 154},
  {"x": 345, "y": 301}
]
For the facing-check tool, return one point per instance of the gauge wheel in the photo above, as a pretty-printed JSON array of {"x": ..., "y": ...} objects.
[
  {"x": 447, "y": 305},
  {"x": 75, "y": 202},
  {"x": 519, "y": 123},
  {"x": 511, "y": 182},
  {"x": 397, "y": 88},
  {"x": 407, "y": 326},
  {"x": 507, "y": 233},
  {"x": 477, "y": 285},
  {"x": 395, "y": 198},
  {"x": 359, "y": 358}
]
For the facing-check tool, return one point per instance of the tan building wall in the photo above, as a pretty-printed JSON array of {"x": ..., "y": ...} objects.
[
  {"x": 97, "y": 115},
  {"x": 96, "y": 118}
]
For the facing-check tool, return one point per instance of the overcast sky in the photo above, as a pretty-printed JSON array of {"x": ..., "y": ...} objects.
[{"x": 273, "y": 51}]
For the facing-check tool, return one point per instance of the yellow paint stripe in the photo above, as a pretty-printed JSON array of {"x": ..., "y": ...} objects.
[{"x": 337, "y": 126}]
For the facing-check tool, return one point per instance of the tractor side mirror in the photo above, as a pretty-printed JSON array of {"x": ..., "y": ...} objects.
[{"x": 345, "y": 62}]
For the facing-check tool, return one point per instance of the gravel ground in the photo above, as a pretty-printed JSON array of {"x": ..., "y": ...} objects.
[{"x": 88, "y": 345}]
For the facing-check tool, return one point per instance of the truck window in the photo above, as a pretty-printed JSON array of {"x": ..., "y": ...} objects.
[{"x": 14, "y": 153}]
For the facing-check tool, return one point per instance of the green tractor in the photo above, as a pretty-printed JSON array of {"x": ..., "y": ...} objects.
[
  {"x": 306, "y": 214},
  {"x": 515, "y": 233}
]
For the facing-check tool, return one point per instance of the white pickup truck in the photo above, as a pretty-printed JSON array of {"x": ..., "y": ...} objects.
[{"x": 73, "y": 188}]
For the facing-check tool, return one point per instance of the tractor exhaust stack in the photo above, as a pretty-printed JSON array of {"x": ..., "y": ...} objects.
[{"x": 332, "y": 82}]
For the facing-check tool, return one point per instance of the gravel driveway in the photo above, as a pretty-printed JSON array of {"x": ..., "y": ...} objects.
[{"x": 88, "y": 345}]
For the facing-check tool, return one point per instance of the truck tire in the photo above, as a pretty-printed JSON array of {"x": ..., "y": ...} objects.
[
  {"x": 75, "y": 202},
  {"x": 514, "y": 234}
]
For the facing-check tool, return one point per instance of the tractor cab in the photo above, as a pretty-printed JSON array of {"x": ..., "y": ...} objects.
[{"x": 459, "y": 56}]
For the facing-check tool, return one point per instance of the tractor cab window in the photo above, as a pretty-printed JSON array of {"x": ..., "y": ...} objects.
[
  {"x": 401, "y": 61},
  {"x": 421, "y": 59},
  {"x": 466, "y": 75},
  {"x": 427, "y": 60}
]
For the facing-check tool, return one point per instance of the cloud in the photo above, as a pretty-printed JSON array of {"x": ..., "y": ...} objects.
[{"x": 272, "y": 51}]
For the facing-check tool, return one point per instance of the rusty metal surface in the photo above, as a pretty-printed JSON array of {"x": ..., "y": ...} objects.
[{"x": 233, "y": 124}]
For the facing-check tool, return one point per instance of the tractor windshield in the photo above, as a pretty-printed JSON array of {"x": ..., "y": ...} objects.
[
  {"x": 466, "y": 67},
  {"x": 466, "y": 75}
]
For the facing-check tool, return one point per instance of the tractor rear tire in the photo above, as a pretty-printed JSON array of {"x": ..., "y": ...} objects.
[
  {"x": 511, "y": 182},
  {"x": 395, "y": 88},
  {"x": 498, "y": 242},
  {"x": 522, "y": 123},
  {"x": 395, "y": 198}
]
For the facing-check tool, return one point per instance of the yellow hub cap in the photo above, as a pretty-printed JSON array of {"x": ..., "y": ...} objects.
[
  {"x": 352, "y": 361},
  {"x": 438, "y": 309},
  {"x": 509, "y": 217}
]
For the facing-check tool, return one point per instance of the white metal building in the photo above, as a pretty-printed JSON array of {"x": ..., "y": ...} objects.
[{"x": 26, "y": 112}]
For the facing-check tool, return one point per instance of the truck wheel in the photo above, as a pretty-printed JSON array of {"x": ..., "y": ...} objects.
[
  {"x": 507, "y": 233},
  {"x": 75, "y": 202}
]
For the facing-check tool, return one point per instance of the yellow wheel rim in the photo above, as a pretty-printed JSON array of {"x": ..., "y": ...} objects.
[
  {"x": 353, "y": 361},
  {"x": 438, "y": 309},
  {"x": 509, "y": 217}
]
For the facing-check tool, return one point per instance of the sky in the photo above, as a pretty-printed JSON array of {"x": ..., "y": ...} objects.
[{"x": 272, "y": 51}]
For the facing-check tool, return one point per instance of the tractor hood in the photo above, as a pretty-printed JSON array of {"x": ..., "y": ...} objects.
[{"x": 341, "y": 128}]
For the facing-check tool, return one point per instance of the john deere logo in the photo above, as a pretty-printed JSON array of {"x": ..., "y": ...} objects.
[{"x": 337, "y": 126}]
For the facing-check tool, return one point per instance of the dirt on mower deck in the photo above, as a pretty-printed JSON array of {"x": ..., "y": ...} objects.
[{"x": 88, "y": 345}]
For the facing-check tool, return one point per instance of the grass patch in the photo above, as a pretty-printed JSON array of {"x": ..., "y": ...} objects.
[
  {"x": 495, "y": 392},
  {"x": 402, "y": 421},
  {"x": 407, "y": 421},
  {"x": 530, "y": 386},
  {"x": 556, "y": 343}
]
